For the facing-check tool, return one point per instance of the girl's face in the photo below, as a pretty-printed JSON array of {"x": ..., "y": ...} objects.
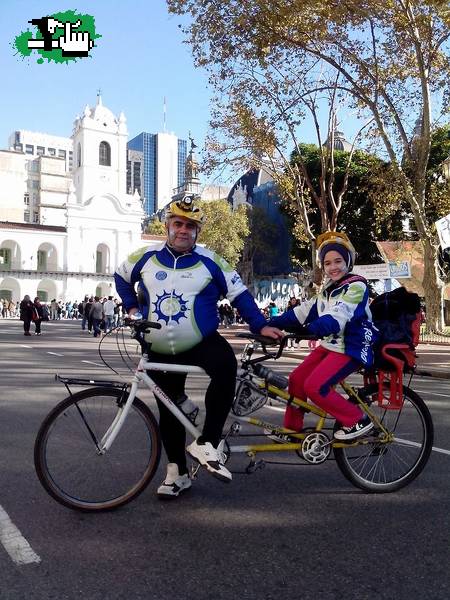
[{"x": 334, "y": 265}]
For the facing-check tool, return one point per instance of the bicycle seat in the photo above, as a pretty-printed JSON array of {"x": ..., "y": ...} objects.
[{"x": 262, "y": 339}]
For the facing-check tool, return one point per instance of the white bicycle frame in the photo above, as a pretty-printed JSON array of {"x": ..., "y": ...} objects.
[{"x": 141, "y": 375}]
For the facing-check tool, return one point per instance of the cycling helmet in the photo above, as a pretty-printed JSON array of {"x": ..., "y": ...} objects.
[
  {"x": 338, "y": 241},
  {"x": 188, "y": 208}
]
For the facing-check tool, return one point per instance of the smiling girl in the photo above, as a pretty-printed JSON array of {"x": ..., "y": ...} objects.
[{"x": 341, "y": 317}]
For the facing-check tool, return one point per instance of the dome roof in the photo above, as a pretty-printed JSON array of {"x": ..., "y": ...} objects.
[{"x": 102, "y": 114}]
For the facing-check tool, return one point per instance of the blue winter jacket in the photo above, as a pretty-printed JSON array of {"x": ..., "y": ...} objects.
[{"x": 340, "y": 315}]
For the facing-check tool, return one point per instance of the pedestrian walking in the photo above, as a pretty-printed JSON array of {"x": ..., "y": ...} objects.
[
  {"x": 38, "y": 316},
  {"x": 53, "y": 310},
  {"x": 293, "y": 302},
  {"x": 108, "y": 311},
  {"x": 26, "y": 313},
  {"x": 97, "y": 315}
]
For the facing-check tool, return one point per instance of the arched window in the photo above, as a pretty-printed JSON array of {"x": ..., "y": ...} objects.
[
  {"x": 79, "y": 155},
  {"x": 104, "y": 154}
]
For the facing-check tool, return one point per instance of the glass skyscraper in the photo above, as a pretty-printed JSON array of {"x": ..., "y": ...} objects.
[{"x": 163, "y": 167}]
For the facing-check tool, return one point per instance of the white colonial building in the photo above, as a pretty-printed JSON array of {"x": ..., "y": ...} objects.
[{"x": 84, "y": 223}]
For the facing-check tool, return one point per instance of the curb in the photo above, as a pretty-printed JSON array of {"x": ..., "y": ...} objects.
[{"x": 432, "y": 373}]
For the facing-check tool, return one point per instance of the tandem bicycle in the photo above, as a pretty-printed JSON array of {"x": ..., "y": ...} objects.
[{"x": 100, "y": 447}]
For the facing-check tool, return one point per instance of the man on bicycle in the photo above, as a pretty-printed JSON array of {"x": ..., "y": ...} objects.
[{"x": 179, "y": 285}]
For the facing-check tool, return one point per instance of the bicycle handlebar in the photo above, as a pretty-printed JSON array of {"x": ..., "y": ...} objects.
[
  {"x": 140, "y": 325},
  {"x": 268, "y": 341}
]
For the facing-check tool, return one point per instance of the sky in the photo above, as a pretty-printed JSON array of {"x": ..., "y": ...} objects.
[{"x": 139, "y": 60}]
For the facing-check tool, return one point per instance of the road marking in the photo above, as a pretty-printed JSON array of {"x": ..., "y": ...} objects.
[
  {"x": 14, "y": 543},
  {"x": 55, "y": 354},
  {"x": 23, "y": 346},
  {"x": 89, "y": 362},
  {"x": 431, "y": 393},
  {"x": 417, "y": 445}
]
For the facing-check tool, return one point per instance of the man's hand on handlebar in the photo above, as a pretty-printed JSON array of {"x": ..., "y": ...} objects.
[{"x": 272, "y": 332}]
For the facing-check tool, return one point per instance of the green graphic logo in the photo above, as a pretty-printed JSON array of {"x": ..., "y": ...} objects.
[{"x": 60, "y": 37}]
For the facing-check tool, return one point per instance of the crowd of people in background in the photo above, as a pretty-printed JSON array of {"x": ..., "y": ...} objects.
[
  {"x": 99, "y": 315},
  {"x": 9, "y": 309}
]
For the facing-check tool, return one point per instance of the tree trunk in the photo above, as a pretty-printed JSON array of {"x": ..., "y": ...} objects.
[{"x": 433, "y": 289}]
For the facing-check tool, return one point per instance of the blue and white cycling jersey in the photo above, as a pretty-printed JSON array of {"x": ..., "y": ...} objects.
[
  {"x": 340, "y": 315},
  {"x": 181, "y": 291}
]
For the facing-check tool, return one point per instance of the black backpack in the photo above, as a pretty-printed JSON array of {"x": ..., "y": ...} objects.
[{"x": 397, "y": 315}]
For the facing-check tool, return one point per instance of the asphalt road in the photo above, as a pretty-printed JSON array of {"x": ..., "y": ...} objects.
[{"x": 283, "y": 532}]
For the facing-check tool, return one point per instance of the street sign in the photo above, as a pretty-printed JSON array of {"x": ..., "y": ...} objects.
[
  {"x": 400, "y": 270},
  {"x": 391, "y": 270},
  {"x": 380, "y": 271},
  {"x": 443, "y": 230}
]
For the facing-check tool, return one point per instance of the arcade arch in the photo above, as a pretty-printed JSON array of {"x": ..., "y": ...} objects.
[
  {"x": 10, "y": 256},
  {"x": 10, "y": 289}
]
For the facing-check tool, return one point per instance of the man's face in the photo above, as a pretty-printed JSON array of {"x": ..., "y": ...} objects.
[{"x": 181, "y": 233}]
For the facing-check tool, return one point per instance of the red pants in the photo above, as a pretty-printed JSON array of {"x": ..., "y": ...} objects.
[{"x": 315, "y": 378}]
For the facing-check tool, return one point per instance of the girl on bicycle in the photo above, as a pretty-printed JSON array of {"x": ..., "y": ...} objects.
[{"x": 340, "y": 315}]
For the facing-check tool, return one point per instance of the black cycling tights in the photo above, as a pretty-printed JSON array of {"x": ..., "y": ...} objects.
[{"x": 215, "y": 355}]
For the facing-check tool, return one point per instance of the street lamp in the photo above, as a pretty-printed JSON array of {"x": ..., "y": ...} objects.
[{"x": 446, "y": 168}]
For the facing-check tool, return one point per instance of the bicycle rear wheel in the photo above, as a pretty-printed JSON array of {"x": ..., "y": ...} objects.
[
  {"x": 387, "y": 467},
  {"x": 67, "y": 460}
]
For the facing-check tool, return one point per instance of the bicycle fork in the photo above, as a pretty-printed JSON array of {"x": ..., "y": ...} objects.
[{"x": 115, "y": 427}]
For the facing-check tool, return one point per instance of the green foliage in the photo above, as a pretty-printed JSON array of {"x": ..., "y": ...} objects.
[
  {"x": 437, "y": 188},
  {"x": 156, "y": 227},
  {"x": 372, "y": 209},
  {"x": 225, "y": 230}
]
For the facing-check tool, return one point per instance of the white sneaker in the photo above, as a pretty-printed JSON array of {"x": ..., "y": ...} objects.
[
  {"x": 211, "y": 458},
  {"x": 174, "y": 483}
]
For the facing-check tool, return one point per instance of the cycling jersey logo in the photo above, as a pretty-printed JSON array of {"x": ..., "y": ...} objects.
[
  {"x": 170, "y": 307},
  {"x": 161, "y": 275}
]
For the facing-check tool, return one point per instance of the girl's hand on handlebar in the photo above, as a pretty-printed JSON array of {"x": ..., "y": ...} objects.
[{"x": 272, "y": 332}]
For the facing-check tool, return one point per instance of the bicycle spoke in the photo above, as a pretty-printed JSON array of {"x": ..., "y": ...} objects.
[
  {"x": 70, "y": 465},
  {"x": 391, "y": 464}
]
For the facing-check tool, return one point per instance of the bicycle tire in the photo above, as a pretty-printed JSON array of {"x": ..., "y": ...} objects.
[
  {"x": 71, "y": 469},
  {"x": 387, "y": 467}
]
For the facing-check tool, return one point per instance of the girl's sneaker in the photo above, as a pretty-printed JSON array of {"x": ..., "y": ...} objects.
[
  {"x": 174, "y": 483},
  {"x": 360, "y": 428}
]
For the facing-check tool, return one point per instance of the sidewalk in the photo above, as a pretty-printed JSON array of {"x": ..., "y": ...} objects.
[{"x": 433, "y": 361}]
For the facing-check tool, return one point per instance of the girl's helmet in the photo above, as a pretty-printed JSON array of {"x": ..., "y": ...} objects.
[
  {"x": 338, "y": 241},
  {"x": 188, "y": 208}
]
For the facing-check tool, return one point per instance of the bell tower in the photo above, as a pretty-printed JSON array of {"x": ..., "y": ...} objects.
[{"x": 100, "y": 151}]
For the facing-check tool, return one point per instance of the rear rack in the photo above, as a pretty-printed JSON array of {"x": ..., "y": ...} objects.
[{"x": 85, "y": 382}]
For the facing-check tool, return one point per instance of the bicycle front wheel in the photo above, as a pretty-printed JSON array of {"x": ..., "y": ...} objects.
[
  {"x": 378, "y": 466},
  {"x": 67, "y": 458}
]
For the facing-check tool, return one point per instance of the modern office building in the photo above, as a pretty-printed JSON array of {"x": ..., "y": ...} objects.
[
  {"x": 135, "y": 172},
  {"x": 41, "y": 151},
  {"x": 164, "y": 159},
  {"x": 34, "y": 144}
]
